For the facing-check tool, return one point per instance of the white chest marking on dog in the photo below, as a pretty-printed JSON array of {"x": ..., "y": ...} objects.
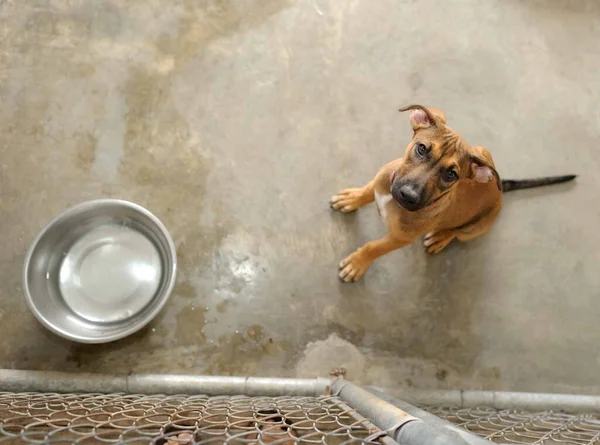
[{"x": 382, "y": 200}]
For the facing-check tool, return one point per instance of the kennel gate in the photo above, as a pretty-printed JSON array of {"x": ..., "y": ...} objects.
[{"x": 63, "y": 408}]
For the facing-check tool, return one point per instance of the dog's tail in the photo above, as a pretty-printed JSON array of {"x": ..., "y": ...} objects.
[{"x": 508, "y": 185}]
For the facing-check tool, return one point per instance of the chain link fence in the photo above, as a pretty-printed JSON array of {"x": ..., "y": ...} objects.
[
  {"x": 143, "y": 419},
  {"x": 305, "y": 418},
  {"x": 521, "y": 427}
]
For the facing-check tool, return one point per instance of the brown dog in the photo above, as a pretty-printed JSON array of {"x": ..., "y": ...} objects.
[{"x": 442, "y": 188}]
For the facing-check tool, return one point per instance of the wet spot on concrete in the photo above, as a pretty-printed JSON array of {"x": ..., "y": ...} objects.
[
  {"x": 84, "y": 70},
  {"x": 256, "y": 333},
  {"x": 491, "y": 377},
  {"x": 241, "y": 352},
  {"x": 223, "y": 305},
  {"x": 441, "y": 374},
  {"x": 354, "y": 335},
  {"x": 164, "y": 168},
  {"x": 199, "y": 25},
  {"x": 85, "y": 145},
  {"x": 190, "y": 326},
  {"x": 74, "y": 357},
  {"x": 184, "y": 289}
]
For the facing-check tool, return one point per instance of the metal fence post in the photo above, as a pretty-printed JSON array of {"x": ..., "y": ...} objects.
[{"x": 404, "y": 427}]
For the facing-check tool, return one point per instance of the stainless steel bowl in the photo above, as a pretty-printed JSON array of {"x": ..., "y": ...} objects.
[{"x": 100, "y": 271}]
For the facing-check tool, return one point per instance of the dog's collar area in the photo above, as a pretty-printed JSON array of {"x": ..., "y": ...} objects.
[{"x": 436, "y": 202}]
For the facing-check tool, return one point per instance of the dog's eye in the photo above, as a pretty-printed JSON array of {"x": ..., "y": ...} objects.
[
  {"x": 450, "y": 175},
  {"x": 420, "y": 149}
]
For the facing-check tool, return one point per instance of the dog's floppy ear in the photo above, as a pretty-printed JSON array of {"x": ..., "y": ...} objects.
[
  {"x": 424, "y": 117},
  {"x": 482, "y": 166}
]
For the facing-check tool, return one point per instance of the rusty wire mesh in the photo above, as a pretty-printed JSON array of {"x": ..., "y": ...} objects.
[
  {"x": 45, "y": 418},
  {"x": 510, "y": 426}
]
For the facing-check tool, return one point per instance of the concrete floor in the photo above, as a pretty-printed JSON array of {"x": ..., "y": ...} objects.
[{"x": 235, "y": 121}]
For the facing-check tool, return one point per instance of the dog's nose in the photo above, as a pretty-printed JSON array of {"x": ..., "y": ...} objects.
[{"x": 410, "y": 194}]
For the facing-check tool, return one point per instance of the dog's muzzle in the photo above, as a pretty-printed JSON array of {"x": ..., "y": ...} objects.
[{"x": 408, "y": 195}]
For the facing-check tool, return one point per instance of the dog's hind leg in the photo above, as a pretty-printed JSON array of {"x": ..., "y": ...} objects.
[
  {"x": 437, "y": 240},
  {"x": 349, "y": 200},
  {"x": 479, "y": 226}
]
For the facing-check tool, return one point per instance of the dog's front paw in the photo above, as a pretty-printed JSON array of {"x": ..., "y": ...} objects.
[
  {"x": 346, "y": 201},
  {"x": 437, "y": 241},
  {"x": 353, "y": 267}
]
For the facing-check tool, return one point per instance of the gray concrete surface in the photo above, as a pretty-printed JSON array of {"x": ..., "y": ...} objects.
[{"x": 235, "y": 121}]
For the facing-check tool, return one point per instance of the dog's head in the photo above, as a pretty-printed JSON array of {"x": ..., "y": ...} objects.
[{"x": 436, "y": 160}]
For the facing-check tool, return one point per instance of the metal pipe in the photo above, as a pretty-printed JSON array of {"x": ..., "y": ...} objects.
[
  {"x": 64, "y": 382},
  {"x": 403, "y": 426},
  {"x": 51, "y": 381},
  {"x": 430, "y": 419},
  {"x": 384, "y": 439},
  {"x": 502, "y": 400},
  {"x": 215, "y": 385}
]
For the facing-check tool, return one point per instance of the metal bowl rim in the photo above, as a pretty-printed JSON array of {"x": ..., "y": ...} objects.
[{"x": 65, "y": 215}]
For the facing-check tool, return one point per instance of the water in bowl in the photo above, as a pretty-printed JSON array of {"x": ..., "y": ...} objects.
[{"x": 109, "y": 273}]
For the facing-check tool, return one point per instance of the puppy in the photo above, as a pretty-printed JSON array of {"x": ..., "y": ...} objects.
[{"x": 442, "y": 188}]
